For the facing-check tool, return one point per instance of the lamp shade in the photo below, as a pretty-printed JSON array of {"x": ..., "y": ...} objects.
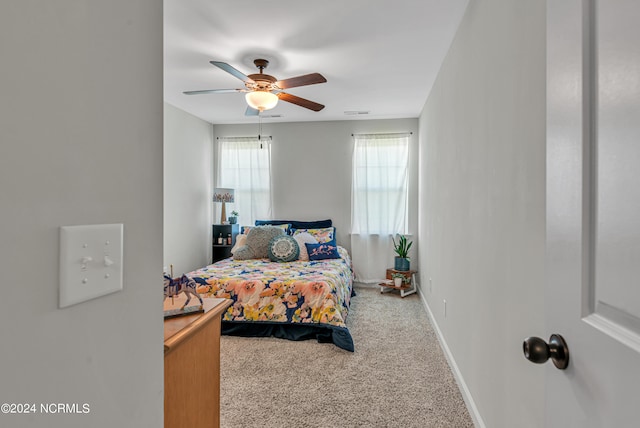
[
  {"x": 221, "y": 194},
  {"x": 261, "y": 100}
]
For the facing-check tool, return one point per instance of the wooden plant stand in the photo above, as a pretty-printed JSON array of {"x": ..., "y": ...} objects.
[{"x": 405, "y": 290}]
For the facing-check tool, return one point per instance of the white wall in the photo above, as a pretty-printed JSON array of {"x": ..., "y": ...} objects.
[
  {"x": 188, "y": 145},
  {"x": 81, "y": 143},
  {"x": 311, "y": 168},
  {"x": 482, "y": 205}
]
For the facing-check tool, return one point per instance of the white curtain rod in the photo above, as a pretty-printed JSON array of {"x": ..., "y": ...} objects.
[
  {"x": 252, "y": 137},
  {"x": 383, "y": 134}
]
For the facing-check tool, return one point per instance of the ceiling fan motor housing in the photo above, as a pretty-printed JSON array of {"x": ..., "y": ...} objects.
[{"x": 262, "y": 82}]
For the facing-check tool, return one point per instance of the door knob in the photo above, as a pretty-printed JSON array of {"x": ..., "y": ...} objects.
[{"x": 538, "y": 351}]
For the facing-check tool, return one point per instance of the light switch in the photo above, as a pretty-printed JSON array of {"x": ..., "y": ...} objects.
[{"x": 90, "y": 262}]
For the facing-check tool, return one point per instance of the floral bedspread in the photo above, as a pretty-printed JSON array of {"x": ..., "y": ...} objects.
[{"x": 314, "y": 293}]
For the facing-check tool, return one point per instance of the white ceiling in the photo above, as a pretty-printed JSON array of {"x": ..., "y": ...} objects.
[{"x": 380, "y": 56}]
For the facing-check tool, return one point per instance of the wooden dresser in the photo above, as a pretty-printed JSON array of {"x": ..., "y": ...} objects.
[{"x": 192, "y": 367}]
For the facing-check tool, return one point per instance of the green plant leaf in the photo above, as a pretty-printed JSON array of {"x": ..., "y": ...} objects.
[{"x": 402, "y": 246}]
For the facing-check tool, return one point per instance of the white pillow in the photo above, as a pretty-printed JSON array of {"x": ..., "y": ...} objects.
[
  {"x": 301, "y": 239},
  {"x": 241, "y": 241}
]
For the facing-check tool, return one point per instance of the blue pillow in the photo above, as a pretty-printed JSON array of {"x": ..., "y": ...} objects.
[
  {"x": 271, "y": 222},
  {"x": 295, "y": 224},
  {"x": 283, "y": 249},
  {"x": 323, "y": 251}
]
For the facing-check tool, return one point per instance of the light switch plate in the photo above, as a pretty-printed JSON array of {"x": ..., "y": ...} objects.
[{"x": 90, "y": 262}]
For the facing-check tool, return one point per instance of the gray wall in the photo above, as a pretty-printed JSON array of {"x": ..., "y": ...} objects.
[
  {"x": 482, "y": 206},
  {"x": 188, "y": 144},
  {"x": 81, "y": 143},
  {"x": 311, "y": 168}
]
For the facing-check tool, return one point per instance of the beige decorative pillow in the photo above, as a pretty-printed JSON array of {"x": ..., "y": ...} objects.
[
  {"x": 304, "y": 238},
  {"x": 240, "y": 241}
]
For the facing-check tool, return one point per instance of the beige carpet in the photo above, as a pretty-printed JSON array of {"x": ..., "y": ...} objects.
[{"x": 397, "y": 376}]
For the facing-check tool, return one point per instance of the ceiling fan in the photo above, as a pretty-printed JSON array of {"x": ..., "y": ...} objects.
[{"x": 263, "y": 91}]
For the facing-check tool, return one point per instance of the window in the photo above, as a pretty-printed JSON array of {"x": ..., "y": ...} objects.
[
  {"x": 379, "y": 186},
  {"x": 244, "y": 164}
]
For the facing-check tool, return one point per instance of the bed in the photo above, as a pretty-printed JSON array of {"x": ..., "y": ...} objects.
[{"x": 295, "y": 300}]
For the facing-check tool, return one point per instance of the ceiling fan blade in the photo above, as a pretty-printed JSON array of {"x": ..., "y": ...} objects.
[
  {"x": 251, "y": 111},
  {"x": 299, "y": 101},
  {"x": 213, "y": 91},
  {"x": 229, "y": 69},
  {"x": 307, "y": 79}
]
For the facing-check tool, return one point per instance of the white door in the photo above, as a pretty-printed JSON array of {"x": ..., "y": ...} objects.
[{"x": 593, "y": 211}]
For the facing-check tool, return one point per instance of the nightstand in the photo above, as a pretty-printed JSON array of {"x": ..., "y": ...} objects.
[{"x": 223, "y": 251}]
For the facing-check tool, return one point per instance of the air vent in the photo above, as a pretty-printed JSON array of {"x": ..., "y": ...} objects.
[{"x": 356, "y": 112}]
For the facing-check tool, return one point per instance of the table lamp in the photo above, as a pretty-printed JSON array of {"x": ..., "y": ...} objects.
[{"x": 223, "y": 195}]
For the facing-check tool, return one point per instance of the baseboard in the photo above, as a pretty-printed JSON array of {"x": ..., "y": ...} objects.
[
  {"x": 366, "y": 284},
  {"x": 466, "y": 394}
]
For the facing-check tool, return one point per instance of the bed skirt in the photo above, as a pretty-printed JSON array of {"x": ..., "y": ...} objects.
[{"x": 336, "y": 335}]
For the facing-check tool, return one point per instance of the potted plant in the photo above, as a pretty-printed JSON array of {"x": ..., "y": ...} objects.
[
  {"x": 234, "y": 217},
  {"x": 399, "y": 279},
  {"x": 402, "y": 250}
]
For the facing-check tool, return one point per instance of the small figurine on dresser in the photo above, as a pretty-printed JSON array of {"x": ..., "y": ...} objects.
[{"x": 172, "y": 288}]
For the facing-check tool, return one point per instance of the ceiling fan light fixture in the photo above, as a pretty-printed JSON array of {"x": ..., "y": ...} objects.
[{"x": 261, "y": 100}]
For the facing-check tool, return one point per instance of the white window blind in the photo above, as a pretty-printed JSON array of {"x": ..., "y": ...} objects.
[
  {"x": 380, "y": 178},
  {"x": 244, "y": 164}
]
